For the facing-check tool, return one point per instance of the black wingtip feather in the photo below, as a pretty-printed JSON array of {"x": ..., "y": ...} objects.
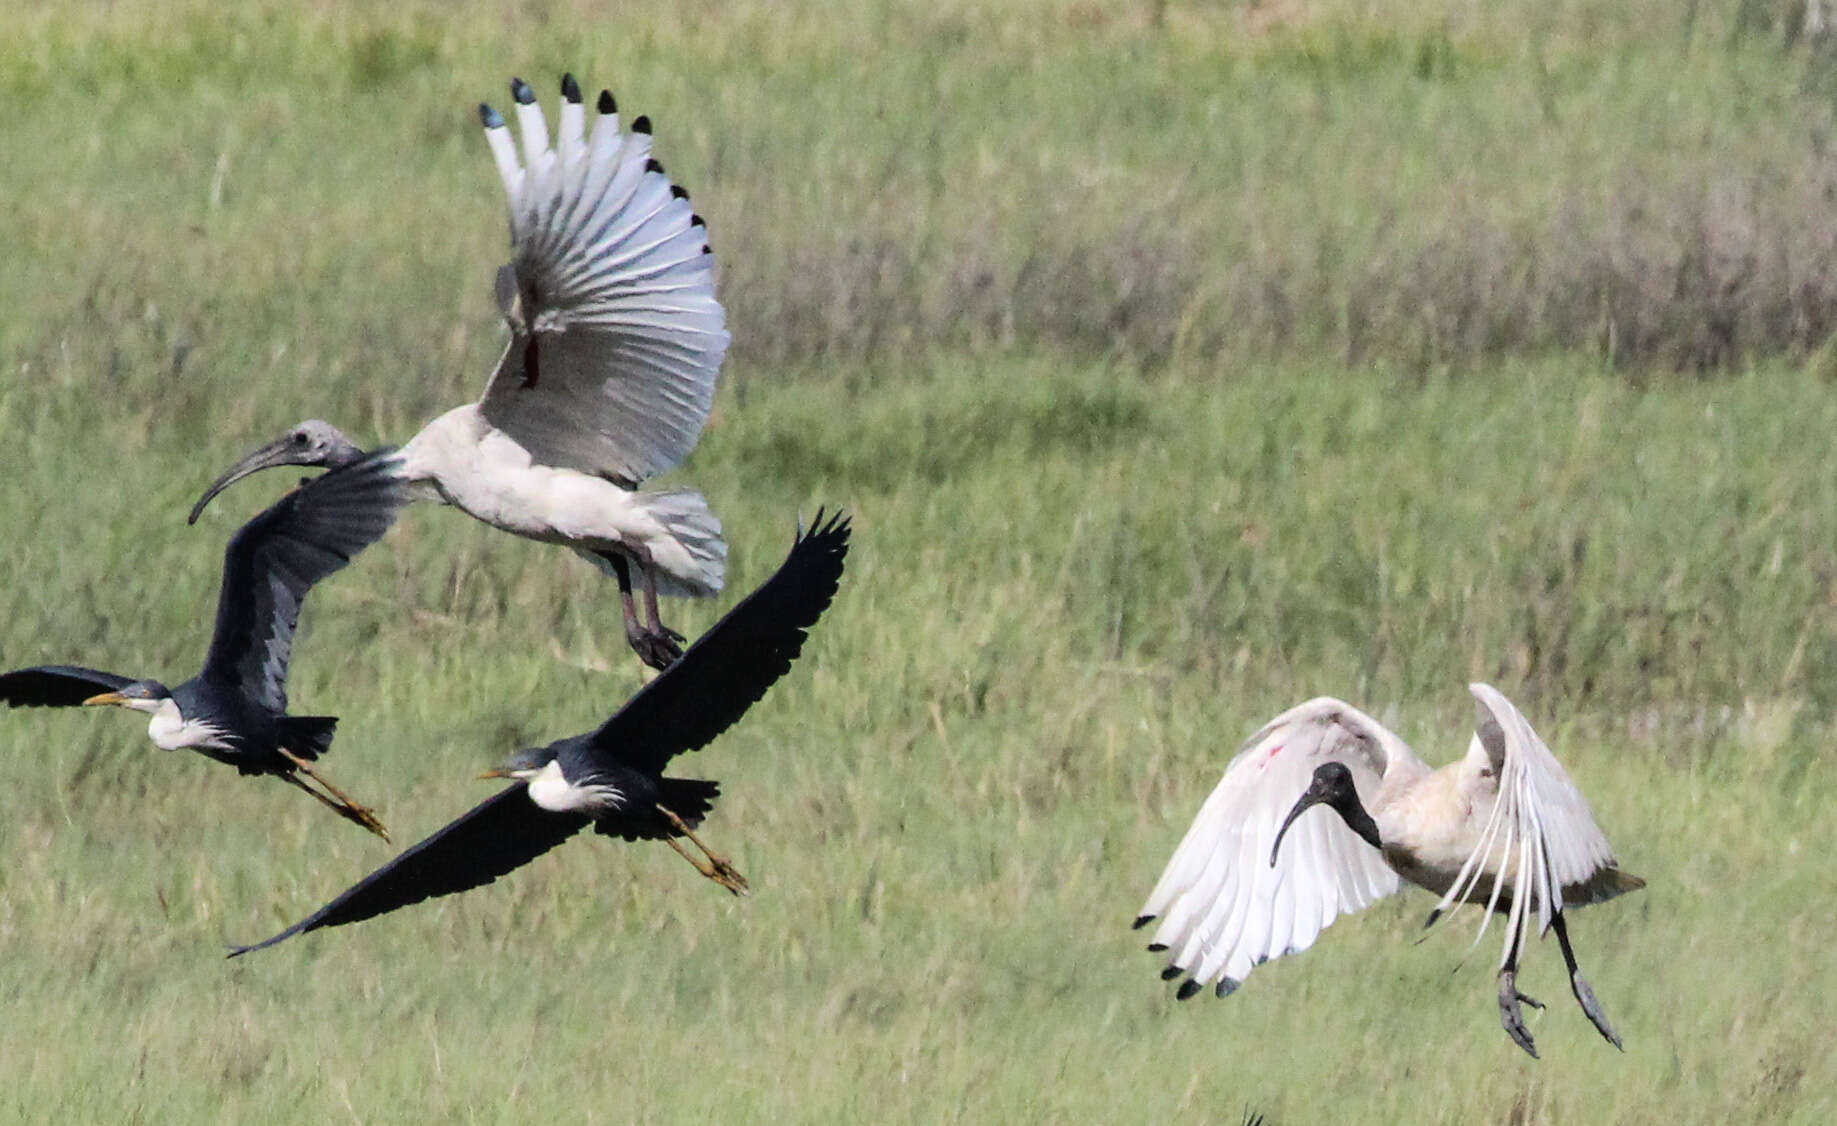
[
  {"x": 653, "y": 165},
  {"x": 239, "y": 951},
  {"x": 1169, "y": 973},
  {"x": 1187, "y": 990},
  {"x": 836, "y": 529},
  {"x": 492, "y": 118},
  {"x": 696, "y": 220},
  {"x": 521, "y": 91},
  {"x": 570, "y": 89},
  {"x": 1157, "y": 947},
  {"x": 679, "y": 192},
  {"x": 642, "y": 124},
  {"x": 1141, "y": 921},
  {"x": 606, "y": 104}
]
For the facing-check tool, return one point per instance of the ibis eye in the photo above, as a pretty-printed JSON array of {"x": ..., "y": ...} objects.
[{"x": 299, "y": 437}]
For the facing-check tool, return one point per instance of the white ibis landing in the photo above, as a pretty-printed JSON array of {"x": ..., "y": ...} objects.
[{"x": 1258, "y": 876}]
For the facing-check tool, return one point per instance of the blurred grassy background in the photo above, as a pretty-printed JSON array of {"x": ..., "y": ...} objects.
[{"x": 1179, "y": 361}]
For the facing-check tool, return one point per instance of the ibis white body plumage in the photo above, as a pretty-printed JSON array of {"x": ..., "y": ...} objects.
[
  {"x": 616, "y": 340},
  {"x": 462, "y": 460}
]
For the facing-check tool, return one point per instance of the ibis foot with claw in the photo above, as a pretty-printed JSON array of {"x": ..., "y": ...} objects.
[
  {"x": 716, "y": 867},
  {"x": 1511, "y": 1016},
  {"x": 334, "y": 798}
]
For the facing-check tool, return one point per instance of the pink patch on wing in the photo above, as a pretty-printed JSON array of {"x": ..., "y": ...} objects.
[{"x": 1273, "y": 752}]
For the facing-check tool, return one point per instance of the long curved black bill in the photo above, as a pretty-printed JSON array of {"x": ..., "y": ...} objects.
[
  {"x": 279, "y": 452},
  {"x": 1308, "y": 799}
]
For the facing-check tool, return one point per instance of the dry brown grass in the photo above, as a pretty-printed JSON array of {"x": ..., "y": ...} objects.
[{"x": 1200, "y": 185}]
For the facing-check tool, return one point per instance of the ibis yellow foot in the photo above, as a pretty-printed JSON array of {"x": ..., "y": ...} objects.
[
  {"x": 716, "y": 867},
  {"x": 338, "y": 800}
]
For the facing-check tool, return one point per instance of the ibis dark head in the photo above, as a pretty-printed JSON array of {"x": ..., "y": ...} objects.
[
  {"x": 141, "y": 695},
  {"x": 1332, "y": 786},
  {"x": 524, "y": 764},
  {"x": 312, "y": 443}
]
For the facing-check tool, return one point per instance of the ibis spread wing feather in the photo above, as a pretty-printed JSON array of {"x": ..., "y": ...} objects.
[
  {"x": 274, "y": 559},
  {"x": 1223, "y": 908},
  {"x": 729, "y": 668},
  {"x": 617, "y": 336},
  {"x": 498, "y": 836},
  {"x": 1540, "y": 830},
  {"x": 57, "y": 686}
]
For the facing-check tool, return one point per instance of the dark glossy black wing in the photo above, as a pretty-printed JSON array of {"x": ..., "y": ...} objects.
[
  {"x": 729, "y": 668},
  {"x": 499, "y": 835},
  {"x": 274, "y": 559},
  {"x": 57, "y": 686}
]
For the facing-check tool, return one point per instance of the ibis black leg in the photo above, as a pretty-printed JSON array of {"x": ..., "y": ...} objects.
[
  {"x": 656, "y": 644},
  {"x": 716, "y": 867},
  {"x": 621, "y": 571},
  {"x": 1579, "y": 986},
  {"x": 650, "y": 604},
  {"x": 666, "y": 643},
  {"x": 1510, "y": 1015}
]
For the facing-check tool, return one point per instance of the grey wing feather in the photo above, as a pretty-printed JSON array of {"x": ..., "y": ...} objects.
[
  {"x": 57, "y": 686},
  {"x": 274, "y": 559},
  {"x": 617, "y": 336}
]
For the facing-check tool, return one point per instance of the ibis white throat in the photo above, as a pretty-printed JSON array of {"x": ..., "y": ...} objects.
[
  {"x": 550, "y": 789},
  {"x": 171, "y": 731}
]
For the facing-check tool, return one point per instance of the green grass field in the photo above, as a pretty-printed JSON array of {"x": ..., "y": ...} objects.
[{"x": 1177, "y": 363}]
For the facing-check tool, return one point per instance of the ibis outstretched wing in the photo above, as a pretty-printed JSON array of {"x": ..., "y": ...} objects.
[
  {"x": 274, "y": 559},
  {"x": 1223, "y": 909},
  {"x": 616, "y": 335},
  {"x": 498, "y": 836},
  {"x": 57, "y": 686},
  {"x": 1540, "y": 830}
]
